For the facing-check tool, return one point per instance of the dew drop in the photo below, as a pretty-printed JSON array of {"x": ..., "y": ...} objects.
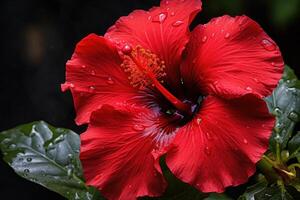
[
  {"x": 268, "y": 45},
  {"x": 277, "y": 111},
  {"x": 207, "y": 151},
  {"x": 160, "y": 18},
  {"x": 278, "y": 138},
  {"x": 199, "y": 120},
  {"x": 110, "y": 81},
  {"x": 273, "y": 63},
  {"x": 26, "y": 170},
  {"x": 72, "y": 85},
  {"x": 208, "y": 135},
  {"x": 93, "y": 72},
  {"x": 92, "y": 88},
  {"x": 213, "y": 35},
  {"x": 245, "y": 141},
  {"x": 77, "y": 196},
  {"x": 138, "y": 127},
  {"x": 6, "y": 141},
  {"x": 293, "y": 116},
  {"x": 130, "y": 186},
  {"x": 248, "y": 88},
  {"x": 227, "y": 35},
  {"x": 127, "y": 49},
  {"x": 278, "y": 127},
  {"x": 204, "y": 39},
  {"x": 83, "y": 66},
  {"x": 69, "y": 172},
  {"x": 70, "y": 156},
  {"x": 172, "y": 13},
  {"x": 29, "y": 159},
  {"x": 59, "y": 139},
  {"x": 149, "y": 18},
  {"x": 177, "y": 23}
]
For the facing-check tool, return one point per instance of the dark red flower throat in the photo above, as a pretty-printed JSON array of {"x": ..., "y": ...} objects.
[{"x": 146, "y": 69}]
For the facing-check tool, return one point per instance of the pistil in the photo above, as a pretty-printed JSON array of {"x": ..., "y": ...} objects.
[{"x": 146, "y": 63}]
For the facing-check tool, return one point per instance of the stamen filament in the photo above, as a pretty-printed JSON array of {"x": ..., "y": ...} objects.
[{"x": 182, "y": 107}]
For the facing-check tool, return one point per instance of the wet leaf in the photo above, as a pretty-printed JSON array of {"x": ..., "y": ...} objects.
[
  {"x": 284, "y": 103},
  {"x": 48, "y": 156}
]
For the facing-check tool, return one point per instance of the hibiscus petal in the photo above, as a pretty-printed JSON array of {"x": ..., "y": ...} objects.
[
  {"x": 95, "y": 77},
  {"x": 163, "y": 30},
  {"x": 120, "y": 151},
  {"x": 232, "y": 57},
  {"x": 220, "y": 147}
]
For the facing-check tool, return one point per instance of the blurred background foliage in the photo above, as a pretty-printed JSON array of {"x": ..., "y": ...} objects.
[{"x": 38, "y": 37}]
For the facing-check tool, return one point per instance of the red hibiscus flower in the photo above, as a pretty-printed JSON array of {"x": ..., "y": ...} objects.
[{"x": 150, "y": 87}]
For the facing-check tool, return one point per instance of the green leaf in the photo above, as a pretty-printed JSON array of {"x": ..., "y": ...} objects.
[
  {"x": 48, "y": 156},
  {"x": 294, "y": 146},
  {"x": 253, "y": 190},
  {"x": 272, "y": 193},
  {"x": 285, "y": 104}
]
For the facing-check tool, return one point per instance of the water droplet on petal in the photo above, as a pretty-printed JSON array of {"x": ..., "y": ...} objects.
[
  {"x": 213, "y": 35},
  {"x": 160, "y": 18},
  {"x": 138, "y": 127},
  {"x": 227, "y": 35},
  {"x": 207, "y": 150},
  {"x": 93, "y": 72},
  {"x": 92, "y": 88},
  {"x": 167, "y": 2},
  {"x": 127, "y": 49},
  {"x": 248, "y": 88},
  {"x": 130, "y": 186},
  {"x": 110, "y": 81},
  {"x": 177, "y": 23},
  {"x": 172, "y": 13},
  {"x": 268, "y": 45},
  {"x": 272, "y": 63},
  {"x": 29, "y": 159},
  {"x": 83, "y": 66},
  {"x": 293, "y": 116},
  {"x": 204, "y": 39},
  {"x": 209, "y": 136},
  {"x": 199, "y": 120},
  {"x": 245, "y": 141},
  {"x": 72, "y": 85}
]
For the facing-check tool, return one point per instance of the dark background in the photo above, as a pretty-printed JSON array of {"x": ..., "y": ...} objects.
[{"x": 38, "y": 36}]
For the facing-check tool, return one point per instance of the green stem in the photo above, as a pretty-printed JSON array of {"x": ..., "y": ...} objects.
[
  {"x": 266, "y": 167},
  {"x": 294, "y": 165}
]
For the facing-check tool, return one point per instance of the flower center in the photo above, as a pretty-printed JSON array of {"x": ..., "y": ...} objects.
[{"x": 145, "y": 69}]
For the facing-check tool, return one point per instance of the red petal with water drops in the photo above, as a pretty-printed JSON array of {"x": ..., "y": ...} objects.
[
  {"x": 95, "y": 77},
  {"x": 221, "y": 145},
  {"x": 232, "y": 57},
  {"x": 163, "y": 30},
  {"x": 120, "y": 152}
]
